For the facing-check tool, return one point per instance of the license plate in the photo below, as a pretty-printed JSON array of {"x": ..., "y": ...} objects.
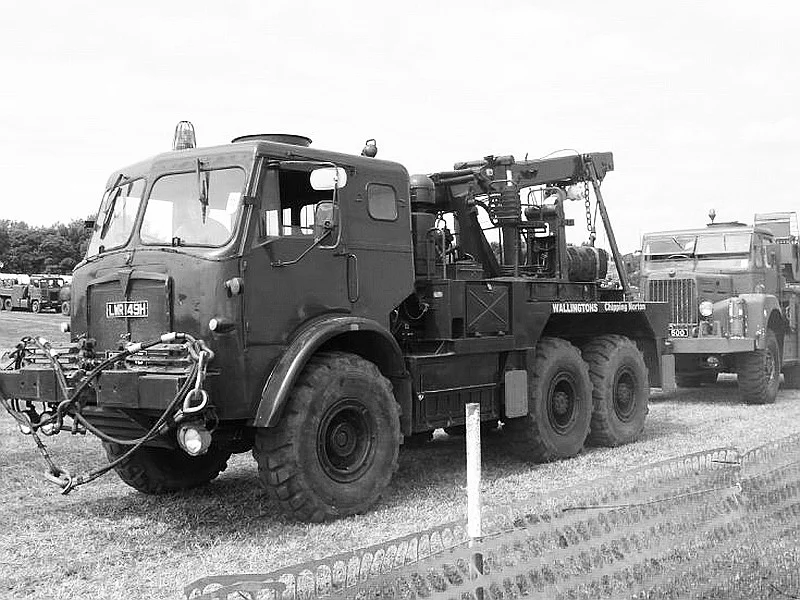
[
  {"x": 679, "y": 332},
  {"x": 120, "y": 310}
]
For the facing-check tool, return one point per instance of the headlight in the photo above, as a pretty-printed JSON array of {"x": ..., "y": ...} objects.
[
  {"x": 706, "y": 308},
  {"x": 194, "y": 439}
]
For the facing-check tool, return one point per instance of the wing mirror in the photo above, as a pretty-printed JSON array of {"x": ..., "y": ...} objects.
[
  {"x": 328, "y": 178},
  {"x": 326, "y": 220}
]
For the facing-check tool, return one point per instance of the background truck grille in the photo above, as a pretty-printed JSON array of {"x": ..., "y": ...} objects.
[{"x": 681, "y": 294}]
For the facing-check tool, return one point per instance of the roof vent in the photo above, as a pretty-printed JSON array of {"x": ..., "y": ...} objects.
[{"x": 281, "y": 138}]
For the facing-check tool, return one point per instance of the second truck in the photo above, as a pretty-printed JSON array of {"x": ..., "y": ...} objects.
[
  {"x": 734, "y": 293},
  {"x": 320, "y": 308}
]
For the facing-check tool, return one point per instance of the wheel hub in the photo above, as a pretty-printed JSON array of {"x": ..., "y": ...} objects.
[
  {"x": 561, "y": 405},
  {"x": 624, "y": 395},
  {"x": 345, "y": 441}
]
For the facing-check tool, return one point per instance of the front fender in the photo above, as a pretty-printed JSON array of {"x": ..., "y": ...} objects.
[
  {"x": 306, "y": 343},
  {"x": 761, "y": 311}
]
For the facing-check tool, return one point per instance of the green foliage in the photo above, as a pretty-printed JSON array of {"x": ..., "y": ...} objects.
[{"x": 54, "y": 249}]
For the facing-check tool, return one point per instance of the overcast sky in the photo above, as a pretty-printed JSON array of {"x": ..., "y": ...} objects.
[{"x": 698, "y": 101}]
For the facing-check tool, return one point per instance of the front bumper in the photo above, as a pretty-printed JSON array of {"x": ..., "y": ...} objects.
[
  {"x": 113, "y": 388},
  {"x": 712, "y": 345}
]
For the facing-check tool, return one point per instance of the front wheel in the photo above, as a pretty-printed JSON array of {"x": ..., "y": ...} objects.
[
  {"x": 620, "y": 390},
  {"x": 758, "y": 373},
  {"x": 162, "y": 470},
  {"x": 36, "y": 306},
  {"x": 560, "y": 404},
  {"x": 65, "y": 309},
  {"x": 335, "y": 449},
  {"x": 7, "y": 304}
]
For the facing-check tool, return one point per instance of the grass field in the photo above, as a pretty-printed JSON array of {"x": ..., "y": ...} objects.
[{"x": 105, "y": 540}]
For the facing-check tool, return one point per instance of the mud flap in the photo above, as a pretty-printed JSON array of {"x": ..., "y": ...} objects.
[{"x": 668, "y": 384}]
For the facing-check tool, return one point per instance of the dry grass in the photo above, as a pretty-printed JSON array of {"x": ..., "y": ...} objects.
[{"x": 106, "y": 540}]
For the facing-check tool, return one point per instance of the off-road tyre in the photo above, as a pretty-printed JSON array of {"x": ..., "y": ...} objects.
[
  {"x": 758, "y": 372},
  {"x": 693, "y": 380},
  {"x": 560, "y": 405},
  {"x": 620, "y": 390},
  {"x": 334, "y": 450},
  {"x": 36, "y": 306},
  {"x": 791, "y": 378},
  {"x": 2, "y": 304},
  {"x": 7, "y": 304},
  {"x": 65, "y": 308},
  {"x": 164, "y": 470}
]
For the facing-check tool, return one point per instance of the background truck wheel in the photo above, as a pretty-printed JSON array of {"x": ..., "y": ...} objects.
[
  {"x": 335, "y": 449},
  {"x": 65, "y": 309},
  {"x": 758, "y": 373},
  {"x": 162, "y": 470},
  {"x": 560, "y": 401},
  {"x": 35, "y": 306},
  {"x": 620, "y": 390},
  {"x": 689, "y": 380},
  {"x": 791, "y": 378},
  {"x": 7, "y": 304}
]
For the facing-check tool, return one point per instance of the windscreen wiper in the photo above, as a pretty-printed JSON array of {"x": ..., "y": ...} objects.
[
  {"x": 121, "y": 179},
  {"x": 202, "y": 191}
]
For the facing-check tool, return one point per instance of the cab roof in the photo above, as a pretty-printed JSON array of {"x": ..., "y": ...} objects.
[
  {"x": 248, "y": 150},
  {"x": 713, "y": 229}
]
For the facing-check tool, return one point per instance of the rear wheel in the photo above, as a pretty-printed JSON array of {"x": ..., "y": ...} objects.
[
  {"x": 36, "y": 306},
  {"x": 620, "y": 390},
  {"x": 65, "y": 309},
  {"x": 560, "y": 404},
  {"x": 162, "y": 470},
  {"x": 335, "y": 449},
  {"x": 758, "y": 373},
  {"x": 7, "y": 304}
]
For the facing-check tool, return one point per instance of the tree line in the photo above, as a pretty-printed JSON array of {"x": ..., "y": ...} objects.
[{"x": 53, "y": 249}]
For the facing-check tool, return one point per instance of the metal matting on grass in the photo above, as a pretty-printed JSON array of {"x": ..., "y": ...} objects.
[{"x": 714, "y": 524}]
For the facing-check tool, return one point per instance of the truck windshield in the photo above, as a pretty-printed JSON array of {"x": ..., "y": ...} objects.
[
  {"x": 669, "y": 245},
  {"x": 693, "y": 245},
  {"x": 727, "y": 243},
  {"x": 116, "y": 216},
  {"x": 701, "y": 252},
  {"x": 179, "y": 214}
]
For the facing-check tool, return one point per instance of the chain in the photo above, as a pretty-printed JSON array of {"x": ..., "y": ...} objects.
[
  {"x": 588, "y": 205},
  {"x": 195, "y": 399}
]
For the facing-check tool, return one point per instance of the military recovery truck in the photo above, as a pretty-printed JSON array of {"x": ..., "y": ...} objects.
[
  {"x": 733, "y": 292},
  {"x": 40, "y": 293},
  {"x": 318, "y": 308}
]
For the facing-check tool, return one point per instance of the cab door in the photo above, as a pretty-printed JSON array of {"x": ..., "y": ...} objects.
[{"x": 294, "y": 269}]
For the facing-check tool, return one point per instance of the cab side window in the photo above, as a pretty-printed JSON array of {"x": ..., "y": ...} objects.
[
  {"x": 381, "y": 202},
  {"x": 288, "y": 203}
]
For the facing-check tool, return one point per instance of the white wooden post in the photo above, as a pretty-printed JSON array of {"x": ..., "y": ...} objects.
[{"x": 473, "y": 415}]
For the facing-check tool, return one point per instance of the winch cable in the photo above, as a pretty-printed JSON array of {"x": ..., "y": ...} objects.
[{"x": 198, "y": 350}]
